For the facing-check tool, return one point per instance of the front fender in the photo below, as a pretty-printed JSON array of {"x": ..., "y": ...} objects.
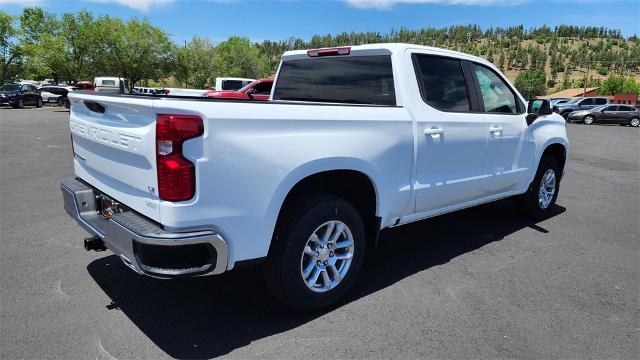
[{"x": 545, "y": 131}]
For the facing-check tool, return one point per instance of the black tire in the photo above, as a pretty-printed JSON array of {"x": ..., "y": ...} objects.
[
  {"x": 530, "y": 199},
  {"x": 39, "y": 103},
  {"x": 633, "y": 123},
  {"x": 59, "y": 101},
  {"x": 565, "y": 115},
  {"x": 300, "y": 220},
  {"x": 20, "y": 104}
]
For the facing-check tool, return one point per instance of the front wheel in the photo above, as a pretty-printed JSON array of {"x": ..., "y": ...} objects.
[
  {"x": 39, "y": 103},
  {"x": 588, "y": 120},
  {"x": 20, "y": 104},
  {"x": 317, "y": 252},
  {"x": 635, "y": 122},
  {"x": 541, "y": 196}
]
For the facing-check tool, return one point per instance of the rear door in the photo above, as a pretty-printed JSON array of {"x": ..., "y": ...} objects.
[
  {"x": 510, "y": 149},
  {"x": 115, "y": 151},
  {"x": 452, "y": 136},
  {"x": 624, "y": 113}
]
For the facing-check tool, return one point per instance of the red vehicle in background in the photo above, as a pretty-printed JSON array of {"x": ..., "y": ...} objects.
[
  {"x": 257, "y": 90},
  {"x": 85, "y": 86}
]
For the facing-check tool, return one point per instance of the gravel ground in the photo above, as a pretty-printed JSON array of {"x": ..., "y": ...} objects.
[{"x": 480, "y": 283}]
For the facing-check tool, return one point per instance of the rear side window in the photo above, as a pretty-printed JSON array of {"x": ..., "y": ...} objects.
[
  {"x": 442, "y": 83},
  {"x": 232, "y": 84},
  {"x": 352, "y": 80},
  {"x": 601, "y": 101},
  {"x": 108, "y": 82}
]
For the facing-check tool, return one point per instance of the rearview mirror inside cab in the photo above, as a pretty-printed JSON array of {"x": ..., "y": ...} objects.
[{"x": 536, "y": 108}]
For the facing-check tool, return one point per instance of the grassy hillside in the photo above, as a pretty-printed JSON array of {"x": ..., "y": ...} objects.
[{"x": 565, "y": 52}]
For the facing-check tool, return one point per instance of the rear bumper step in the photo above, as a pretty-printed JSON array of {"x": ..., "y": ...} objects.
[{"x": 142, "y": 245}]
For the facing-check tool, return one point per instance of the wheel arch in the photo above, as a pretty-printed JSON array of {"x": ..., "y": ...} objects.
[
  {"x": 557, "y": 151},
  {"x": 348, "y": 178}
]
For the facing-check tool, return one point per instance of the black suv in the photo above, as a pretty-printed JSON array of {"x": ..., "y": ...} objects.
[
  {"x": 18, "y": 95},
  {"x": 580, "y": 103}
]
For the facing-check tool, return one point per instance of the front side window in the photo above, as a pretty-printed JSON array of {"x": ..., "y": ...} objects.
[
  {"x": 495, "y": 93},
  {"x": 348, "y": 79},
  {"x": 263, "y": 88},
  {"x": 587, "y": 102},
  {"x": 442, "y": 83}
]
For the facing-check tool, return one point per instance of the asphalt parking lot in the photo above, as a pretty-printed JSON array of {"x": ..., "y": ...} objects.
[{"x": 480, "y": 283}]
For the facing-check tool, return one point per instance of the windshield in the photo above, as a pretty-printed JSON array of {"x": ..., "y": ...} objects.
[
  {"x": 573, "y": 101},
  {"x": 10, "y": 87}
]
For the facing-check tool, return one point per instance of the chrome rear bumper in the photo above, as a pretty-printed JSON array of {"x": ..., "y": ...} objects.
[{"x": 143, "y": 245}]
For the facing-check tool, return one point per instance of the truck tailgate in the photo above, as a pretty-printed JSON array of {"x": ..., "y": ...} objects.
[{"x": 115, "y": 150}]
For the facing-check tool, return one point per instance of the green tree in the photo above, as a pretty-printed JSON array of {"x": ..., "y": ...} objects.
[
  {"x": 135, "y": 50},
  {"x": 194, "y": 65},
  {"x": 237, "y": 57},
  {"x": 9, "y": 48},
  {"x": 611, "y": 85},
  {"x": 531, "y": 83}
]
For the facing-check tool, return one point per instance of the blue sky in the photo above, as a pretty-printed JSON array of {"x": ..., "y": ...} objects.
[{"x": 279, "y": 19}]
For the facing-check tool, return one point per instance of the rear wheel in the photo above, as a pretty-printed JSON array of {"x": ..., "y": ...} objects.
[
  {"x": 635, "y": 122},
  {"x": 39, "y": 103},
  {"x": 59, "y": 101},
  {"x": 20, "y": 104},
  {"x": 317, "y": 252},
  {"x": 588, "y": 120},
  {"x": 541, "y": 196}
]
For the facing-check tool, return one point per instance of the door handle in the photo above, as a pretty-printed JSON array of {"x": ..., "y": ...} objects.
[
  {"x": 435, "y": 132},
  {"x": 496, "y": 130}
]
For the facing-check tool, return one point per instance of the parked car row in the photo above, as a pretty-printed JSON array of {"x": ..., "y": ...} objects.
[
  {"x": 20, "y": 95},
  {"x": 596, "y": 109}
]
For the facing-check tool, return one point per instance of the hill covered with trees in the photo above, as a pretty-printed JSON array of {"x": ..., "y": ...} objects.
[{"x": 80, "y": 46}]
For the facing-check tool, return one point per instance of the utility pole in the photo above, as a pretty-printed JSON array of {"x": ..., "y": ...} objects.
[{"x": 586, "y": 78}]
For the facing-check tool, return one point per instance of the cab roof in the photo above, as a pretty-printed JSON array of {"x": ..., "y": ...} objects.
[{"x": 391, "y": 48}]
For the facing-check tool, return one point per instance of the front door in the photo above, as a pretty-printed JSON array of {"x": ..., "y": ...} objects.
[
  {"x": 452, "y": 138},
  {"x": 510, "y": 147}
]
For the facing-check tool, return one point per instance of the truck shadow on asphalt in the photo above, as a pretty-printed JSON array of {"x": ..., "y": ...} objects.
[{"x": 211, "y": 316}]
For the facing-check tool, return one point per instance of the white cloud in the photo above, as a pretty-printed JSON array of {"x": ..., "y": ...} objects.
[
  {"x": 385, "y": 4},
  {"x": 140, "y": 5},
  {"x": 23, "y": 3}
]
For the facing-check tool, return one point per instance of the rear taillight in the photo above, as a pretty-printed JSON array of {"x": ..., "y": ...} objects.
[{"x": 176, "y": 174}]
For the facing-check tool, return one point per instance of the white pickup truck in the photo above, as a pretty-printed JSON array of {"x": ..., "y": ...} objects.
[{"x": 353, "y": 140}]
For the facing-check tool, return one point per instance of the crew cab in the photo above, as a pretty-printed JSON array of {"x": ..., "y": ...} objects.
[
  {"x": 353, "y": 140},
  {"x": 257, "y": 90}
]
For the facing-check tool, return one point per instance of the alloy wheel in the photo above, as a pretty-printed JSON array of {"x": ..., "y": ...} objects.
[
  {"x": 547, "y": 189},
  {"x": 327, "y": 256}
]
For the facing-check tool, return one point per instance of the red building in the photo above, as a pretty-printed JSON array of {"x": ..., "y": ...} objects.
[{"x": 624, "y": 98}]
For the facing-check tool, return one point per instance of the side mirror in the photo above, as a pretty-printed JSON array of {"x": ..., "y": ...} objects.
[{"x": 536, "y": 108}]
